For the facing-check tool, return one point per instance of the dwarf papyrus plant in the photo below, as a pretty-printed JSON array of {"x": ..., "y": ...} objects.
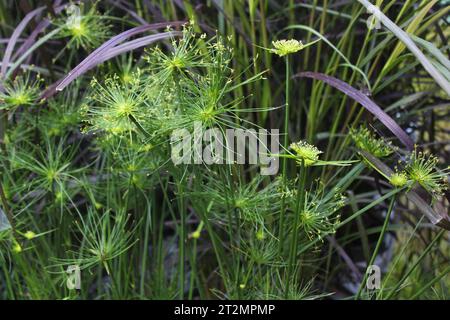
[
  {"x": 92, "y": 92},
  {"x": 192, "y": 82}
]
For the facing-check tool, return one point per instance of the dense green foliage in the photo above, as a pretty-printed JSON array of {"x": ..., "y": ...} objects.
[{"x": 87, "y": 177}]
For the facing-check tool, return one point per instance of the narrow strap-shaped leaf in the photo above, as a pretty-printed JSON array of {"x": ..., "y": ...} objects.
[
  {"x": 94, "y": 56},
  {"x": 128, "y": 46},
  {"x": 134, "y": 44},
  {"x": 408, "y": 42},
  {"x": 13, "y": 40},
  {"x": 42, "y": 25},
  {"x": 364, "y": 100}
]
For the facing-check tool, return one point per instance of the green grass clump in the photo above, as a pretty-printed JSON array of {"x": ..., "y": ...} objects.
[{"x": 90, "y": 97}]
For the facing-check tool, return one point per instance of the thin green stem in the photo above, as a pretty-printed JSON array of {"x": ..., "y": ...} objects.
[
  {"x": 431, "y": 283},
  {"x": 182, "y": 237},
  {"x": 377, "y": 247},
  {"x": 284, "y": 164},
  {"x": 193, "y": 269},
  {"x": 298, "y": 210},
  {"x": 145, "y": 251},
  {"x": 416, "y": 263},
  {"x": 397, "y": 259}
]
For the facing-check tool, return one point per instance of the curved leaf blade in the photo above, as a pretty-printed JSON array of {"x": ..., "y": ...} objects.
[{"x": 364, "y": 100}]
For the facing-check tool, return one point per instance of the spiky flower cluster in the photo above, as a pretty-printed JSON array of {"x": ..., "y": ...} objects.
[
  {"x": 106, "y": 236},
  {"x": 366, "y": 140},
  {"x": 262, "y": 252},
  {"x": 285, "y": 47},
  {"x": 134, "y": 163},
  {"x": 178, "y": 88},
  {"x": 189, "y": 55},
  {"x": 50, "y": 165},
  {"x": 398, "y": 179},
  {"x": 22, "y": 91},
  {"x": 422, "y": 169},
  {"x": 251, "y": 202},
  {"x": 318, "y": 216},
  {"x": 114, "y": 106},
  {"x": 62, "y": 114},
  {"x": 86, "y": 28},
  {"x": 306, "y": 152}
]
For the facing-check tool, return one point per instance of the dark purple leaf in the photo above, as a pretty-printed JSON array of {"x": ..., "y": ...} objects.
[
  {"x": 134, "y": 44},
  {"x": 94, "y": 56},
  {"x": 38, "y": 29},
  {"x": 367, "y": 103},
  {"x": 111, "y": 53},
  {"x": 31, "y": 38},
  {"x": 12, "y": 41}
]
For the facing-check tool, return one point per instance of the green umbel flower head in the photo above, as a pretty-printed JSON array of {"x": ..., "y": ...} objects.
[
  {"x": 366, "y": 140},
  {"x": 21, "y": 91},
  {"x": 422, "y": 169},
  {"x": 398, "y": 179},
  {"x": 285, "y": 47},
  {"x": 305, "y": 151}
]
